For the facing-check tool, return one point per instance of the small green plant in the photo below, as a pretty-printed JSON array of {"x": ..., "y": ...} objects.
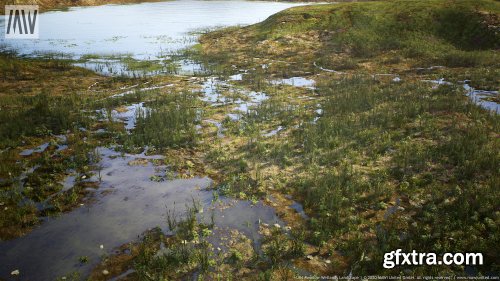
[{"x": 83, "y": 259}]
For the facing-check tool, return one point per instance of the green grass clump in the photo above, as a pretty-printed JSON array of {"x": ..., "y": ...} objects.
[
  {"x": 376, "y": 142},
  {"x": 187, "y": 250},
  {"x": 141, "y": 65},
  {"x": 461, "y": 34},
  {"x": 39, "y": 115},
  {"x": 170, "y": 122}
]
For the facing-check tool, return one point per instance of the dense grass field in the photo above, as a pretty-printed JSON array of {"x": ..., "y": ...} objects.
[
  {"x": 380, "y": 155},
  {"x": 389, "y": 163}
]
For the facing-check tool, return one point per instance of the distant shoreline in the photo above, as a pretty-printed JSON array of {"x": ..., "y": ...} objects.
[{"x": 48, "y": 5}]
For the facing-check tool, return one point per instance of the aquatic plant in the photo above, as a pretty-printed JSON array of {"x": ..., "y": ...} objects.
[{"x": 169, "y": 122}]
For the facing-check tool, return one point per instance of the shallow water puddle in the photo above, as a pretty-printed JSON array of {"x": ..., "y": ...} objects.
[
  {"x": 438, "y": 82},
  {"x": 123, "y": 275},
  {"x": 273, "y": 132},
  {"x": 295, "y": 81},
  {"x": 233, "y": 116},
  {"x": 220, "y": 128},
  {"x": 113, "y": 67},
  {"x": 129, "y": 92},
  {"x": 328, "y": 70},
  {"x": 24, "y": 175},
  {"x": 479, "y": 97},
  {"x": 39, "y": 149},
  {"x": 59, "y": 142},
  {"x": 244, "y": 216},
  {"x": 117, "y": 67},
  {"x": 126, "y": 204},
  {"x": 128, "y": 115},
  {"x": 236, "y": 77},
  {"x": 212, "y": 91},
  {"x": 188, "y": 67},
  {"x": 130, "y": 204},
  {"x": 299, "y": 209},
  {"x": 254, "y": 99},
  {"x": 68, "y": 183}
]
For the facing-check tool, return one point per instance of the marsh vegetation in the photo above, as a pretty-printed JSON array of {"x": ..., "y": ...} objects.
[{"x": 340, "y": 132}]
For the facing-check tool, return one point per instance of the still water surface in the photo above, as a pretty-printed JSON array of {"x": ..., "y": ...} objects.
[{"x": 144, "y": 31}]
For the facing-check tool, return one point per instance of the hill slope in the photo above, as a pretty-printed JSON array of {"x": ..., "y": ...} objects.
[{"x": 389, "y": 34}]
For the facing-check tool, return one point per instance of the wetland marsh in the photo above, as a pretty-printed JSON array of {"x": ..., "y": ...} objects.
[{"x": 221, "y": 140}]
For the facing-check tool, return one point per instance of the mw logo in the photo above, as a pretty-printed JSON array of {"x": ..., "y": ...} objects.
[{"x": 21, "y": 21}]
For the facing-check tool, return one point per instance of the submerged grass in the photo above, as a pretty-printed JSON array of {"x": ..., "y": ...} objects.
[
  {"x": 50, "y": 104},
  {"x": 171, "y": 122},
  {"x": 36, "y": 108}
]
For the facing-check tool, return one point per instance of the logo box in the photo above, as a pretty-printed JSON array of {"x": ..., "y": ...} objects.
[{"x": 22, "y": 21}]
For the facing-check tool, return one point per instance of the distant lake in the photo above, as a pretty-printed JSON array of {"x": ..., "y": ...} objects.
[{"x": 143, "y": 31}]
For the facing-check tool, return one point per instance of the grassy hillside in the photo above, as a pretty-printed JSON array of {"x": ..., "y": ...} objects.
[{"x": 370, "y": 36}]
